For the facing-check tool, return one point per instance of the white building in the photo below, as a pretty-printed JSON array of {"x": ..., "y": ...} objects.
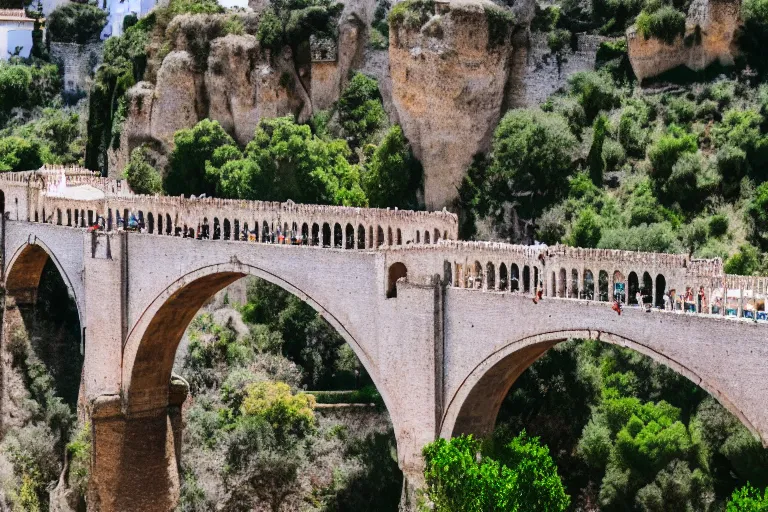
[
  {"x": 119, "y": 9},
  {"x": 15, "y": 33}
]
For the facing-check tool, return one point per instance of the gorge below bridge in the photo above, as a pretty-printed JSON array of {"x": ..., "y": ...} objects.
[{"x": 443, "y": 327}]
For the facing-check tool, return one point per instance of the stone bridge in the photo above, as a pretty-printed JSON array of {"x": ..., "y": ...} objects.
[{"x": 443, "y": 327}]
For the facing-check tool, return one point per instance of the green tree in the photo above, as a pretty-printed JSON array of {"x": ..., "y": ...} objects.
[
  {"x": 141, "y": 175},
  {"x": 587, "y": 229},
  {"x": 361, "y": 112},
  {"x": 666, "y": 23},
  {"x": 748, "y": 499},
  {"x": 595, "y": 92},
  {"x": 758, "y": 212},
  {"x": 289, "y": 414},
  {"x": 393, "y": 175},
  {"x": 193, "y": 147},
  {"x": 745, "y": 262},
  {"x": 531, "y": 160},
  {"x": 754, "y": 33},
  {"x": 76, "y": 23},
  {"x": 595, "y": 157},
  {"x": 17, "y": 154},
  {"x": 15, "y": 83},
  {"x": 667, "y": 150},
  {"x": 523, "y": 477}
]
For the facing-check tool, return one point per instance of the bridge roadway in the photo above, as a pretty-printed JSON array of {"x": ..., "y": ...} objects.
[{"x": 443, "y": 329}]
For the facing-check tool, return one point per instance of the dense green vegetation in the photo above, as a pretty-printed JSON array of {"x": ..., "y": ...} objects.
[
  {"x": 465, "y": 475},
  {"x": 652, "y": 172},
  {"x": 629, "y": 434},
  {"x": 251, "y": 438},
  {"x": 76, "y": 23}
]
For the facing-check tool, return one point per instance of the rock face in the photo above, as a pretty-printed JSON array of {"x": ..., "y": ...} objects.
[
  {"x": 449, "y": 75},
  {"x": 709, "y": 37},
  {"x": 238, "y": 86}
]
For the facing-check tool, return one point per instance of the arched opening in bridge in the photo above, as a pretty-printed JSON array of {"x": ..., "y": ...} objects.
[
  {"x": 447, "y": 273},
  {"x": 396, "y": 271},
  {"x": 58, "y": 216},
  {"x": 503, "y": 278},
  {"x": 527, "y": 279},
  {"x": 418, "y": 237},
  {"x": 361, "y": 236},
  {"x": 399, "y": 237},
  {"x": 647, "y": 290},
  {"x": 426, "y": 237},
  {"x": 43, "y": 350},
  {"x": 325, "y": 353},
  {"x": 315, "y": 234},
  {"x": 603, "y": 286},
  {"x": 619, "y": 287},
  {"x": 150, "y": 223},
  {"x": 661, "y": 287},
  {"x": 634, "y": 287},
  {"x": 574, "y": 292},
  {"x": 379, "y": 236},
  {"x": 490, "y": 273},
  {"x": 390, "y": 238},
  {"x": 437, "y": 235},
  {"x": 168, "y": 224},
  {"x": 477, "y": 276},
  {"x": 326, "y": 235},
  {"x": 338, "y": 236},
  {"x": 594, "y": 401},
  {"x": 227, "y": 230},
  {"x": 514, "y": 278},
  {"x": 216, "y": 229},
  {"x": 370, "y": 237},
  {"x": 350, "y": 237},
  {"x": 160, "y": 224},
  {"x": 562, "y": 283},
  {"x": 589, "y": 285}
]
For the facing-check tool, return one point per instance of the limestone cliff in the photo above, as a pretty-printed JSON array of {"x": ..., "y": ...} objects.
[
  {"x": 711, "y": 27},
  {"x": 449, "y": 63}
]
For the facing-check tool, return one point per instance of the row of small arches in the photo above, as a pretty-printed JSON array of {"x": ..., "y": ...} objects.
[
  {"x": 325, "y": 234},
  {"x": 564, "y": 284}
]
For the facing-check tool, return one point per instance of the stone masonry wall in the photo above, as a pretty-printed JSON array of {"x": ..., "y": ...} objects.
[{"x": 78, "y": 63}]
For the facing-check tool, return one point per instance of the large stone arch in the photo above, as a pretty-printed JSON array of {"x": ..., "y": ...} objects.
[
  {"x": 24, "y": 270},
  {"x": 152, "y": 341},
  {"x": 473, "y": 408}
]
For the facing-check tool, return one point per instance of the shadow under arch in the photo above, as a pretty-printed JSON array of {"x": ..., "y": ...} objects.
[
  {"x": 473, "y": 408},
  {"x": 151, "y": 344},
  {"x": 24, "y": 270}
]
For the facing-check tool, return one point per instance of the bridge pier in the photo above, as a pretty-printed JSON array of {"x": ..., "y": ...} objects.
[{"x": 136, "y": 457}]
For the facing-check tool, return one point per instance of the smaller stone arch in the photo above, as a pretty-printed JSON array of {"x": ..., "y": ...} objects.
[
  {"x": 338, "y": 236},
  {"x": 349, "y": 237},
  {"x": 227, "y": 230},
  {"x": 216, "y": 229},
  {"x": 150, "y": 223},
  {"x": 396, "y": 272},
  {"x": 326, "y": 234},
  {"x": 58, "y": 217},
  {"x": 514, "y": 278},
  {"x": 426, "y": 237},
  {"x": 390, "y": 238},
  {"x": 315, "y": 234},
  {"x": 588, "y": 285},
  {"x": 574, "y": 292},
  {"x": 447, "y": 273},
  {"x": 360, "y": 236},
  {"x": 418, "y": 237},
  {"x": 168, "y": 224},
  {"x": 561, "y": 283},
  {"x": 602, "y": 282},
  {"x": 265, "y": 233},
  {"x": 379, "y": 236},
  {"x": 304, "y": 234},
  {"x": 436, "y": 238},
  {"x": 526, "y": 279},
  {"x": 160, "y": 224},
  {"x": 503, "y": 278},
  {"x": 634, "y": 286},
  {"x": 661, "y": 287},
  {"x": 477, "y": 275},
  {"x": 399, "y": 237},
  {"x": 490, "y": 275},
  {"x": 69, "y": 217},
  {"x": 619, "y": 287},
  {"x": 647, "y": 289}
]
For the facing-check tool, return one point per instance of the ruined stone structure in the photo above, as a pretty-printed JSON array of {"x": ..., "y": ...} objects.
[
  {"x": 78, "y": 62},
  {"x": 443, "y": 327}
]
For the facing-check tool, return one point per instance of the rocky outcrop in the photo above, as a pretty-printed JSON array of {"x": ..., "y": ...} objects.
[
  {"x": 449, "y": 71},
  {"x": 237, "y": 85},
  {"x": 711, "y": 27}
]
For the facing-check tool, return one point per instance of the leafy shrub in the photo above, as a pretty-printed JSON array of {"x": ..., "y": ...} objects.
[
  {"x": 748, "y": 499},
  {"x": 522, "y": 476},
  {"x": 393, "y": 175},
  {"x": 613, "y": 155},
  {"x": 79, "y": 450},
  {"x": 17, "y": 154},
  {"x": 757, "y": 209},
  {"x": 653, "y": 238},
  {"x": 140, "y": 173},
  {"x": 754, "y": 33},
  {"x": 668, "y": 149},
  {"x": 595, "y": 91},
  {"x": 587, "y": 230},
  {"x": 744, "y": 262},
  {"x": 666, "y": 24},
  {"x": 411, "y": 13},
  {"x": 274, "y": 402},
  {"x": 501, "y": 21},
  {"x": 76, "y": 23},
  {"x": 595, "y": 157},
  {"x": 718, "y": 225},
  {"x": 558, "y": 40},
  {"x": 361, "y": 112}
]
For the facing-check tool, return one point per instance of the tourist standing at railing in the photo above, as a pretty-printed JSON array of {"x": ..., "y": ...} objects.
[
  {"x": 702, "y": 300},
  {"x": 666, "y": 300}
]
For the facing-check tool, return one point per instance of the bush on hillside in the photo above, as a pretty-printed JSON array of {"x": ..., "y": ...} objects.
[
  {"x": 76, "y": 23},
  {"x": 666, "y": 24}
]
